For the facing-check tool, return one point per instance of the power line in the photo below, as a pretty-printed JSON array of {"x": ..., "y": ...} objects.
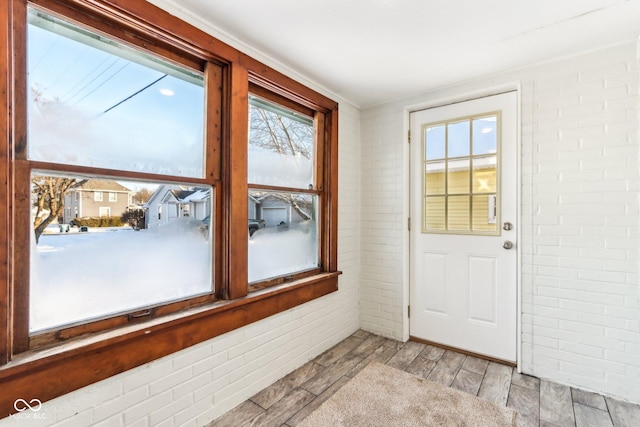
[
  {"x": 71, "y": 65},
  {"x": 133, "y": 94},
  {"x": 103, "y": 82},
  {"x": 46, "y": 53},
  {"x": 78, "y": 92},
  {"x": 81, "y": 81}
]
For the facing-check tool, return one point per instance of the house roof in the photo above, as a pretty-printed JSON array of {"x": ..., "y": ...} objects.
[
  {"x": 99, "y": 185},
  {"x": 193, "y": 195},
  {"x": 197, "y": 196},
  {"x": 179, "y": 194}
]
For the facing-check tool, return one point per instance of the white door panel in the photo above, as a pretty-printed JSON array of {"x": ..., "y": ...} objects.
[{"x": 463, "y": 281}]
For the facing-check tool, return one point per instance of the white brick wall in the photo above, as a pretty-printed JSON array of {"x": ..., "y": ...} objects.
[
  {"x": 381, "y": 292},
  {"x": 583, "y": 235},
  {"x": 196, "y": 385},
  {"x": 579, "y": 217}
]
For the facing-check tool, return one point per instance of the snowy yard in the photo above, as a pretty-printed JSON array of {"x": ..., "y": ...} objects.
[{"x": 80, "y": 276}]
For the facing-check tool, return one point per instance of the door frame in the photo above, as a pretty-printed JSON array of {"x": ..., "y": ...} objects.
[{"x": 455, "y": 98}]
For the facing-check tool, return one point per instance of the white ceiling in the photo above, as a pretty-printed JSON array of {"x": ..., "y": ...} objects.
[{"x": 373, "y": 51}]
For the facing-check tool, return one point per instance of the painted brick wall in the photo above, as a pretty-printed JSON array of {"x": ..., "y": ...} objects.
[
  {"x": 383, "y": 225},
  {"x": 196, "y": 385},
  {"x": 581, "y": 284},
  {"x": 579, "y": 216}
]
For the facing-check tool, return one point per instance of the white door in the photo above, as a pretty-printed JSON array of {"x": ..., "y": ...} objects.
[{"x": 463, "y": 226}]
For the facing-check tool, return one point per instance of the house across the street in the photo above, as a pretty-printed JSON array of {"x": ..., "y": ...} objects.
[
  {"x": 170, "y": 202},
  {"x": 96, "y": 198}
]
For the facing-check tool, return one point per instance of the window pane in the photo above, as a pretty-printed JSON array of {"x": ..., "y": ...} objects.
[
  {"x": 484, "y": 175},
  {"x": 458, "y": 178},
  {"x": 458, "y": 139},
  {"x": 485, "y": 137},
  {"x": 283, "y": 234},
  {"x": 434, "y": 213},
  {"x": 435, "y": 142},
  {"x": 434, "y": 179},
  {"x": 86, "y": 265},
  {"x": 458, "y": 213},
  {"x": 96, "y": 102},
  {"x": 281, "y": 146},
  {"x": 484, "y": 213}
]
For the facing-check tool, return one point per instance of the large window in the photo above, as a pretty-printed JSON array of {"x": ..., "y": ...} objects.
[
  {"x": 158, "y": 189},
  {"x": 283, "y": 195},
  {"x": 120, "y": 110}
]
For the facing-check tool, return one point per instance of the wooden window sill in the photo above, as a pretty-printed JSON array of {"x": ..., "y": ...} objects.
[{"x": 48, "y": 373}]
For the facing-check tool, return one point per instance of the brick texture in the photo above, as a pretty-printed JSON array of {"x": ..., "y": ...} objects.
[{"x": 579, "y": 169}]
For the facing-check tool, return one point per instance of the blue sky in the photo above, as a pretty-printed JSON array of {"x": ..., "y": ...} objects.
[
  {"x": 114, "y": 96},
  {"x": 484, "y": 138}
]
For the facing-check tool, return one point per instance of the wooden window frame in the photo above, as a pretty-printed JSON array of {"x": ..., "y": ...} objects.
[
  {"x": 318, "y": 186},
  {"x": 97, "y": 353}
]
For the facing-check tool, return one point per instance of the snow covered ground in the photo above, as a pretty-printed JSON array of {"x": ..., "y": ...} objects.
[
  {"x": 80, "y": 276},
  {"x": 276, "y": 252}
]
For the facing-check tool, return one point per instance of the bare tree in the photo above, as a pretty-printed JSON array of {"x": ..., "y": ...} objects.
[
  {"x": 48, "y": 200},
  {"x": 274, "y": 132},
  {"x": 142, "y": 195},
  {"x": 302, "y": 205},
  {"x": 281, "y": 134}
]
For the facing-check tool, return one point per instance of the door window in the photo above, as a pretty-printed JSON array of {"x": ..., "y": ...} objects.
[{"x": 461, "y": 177}]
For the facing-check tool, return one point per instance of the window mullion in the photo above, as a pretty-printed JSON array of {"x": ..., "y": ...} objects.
[
  {"x": 319, "y": 152},
  {"x": 17, "y": 302},
  {"x": 235, "y": 186},
  {"x": 214, "y": 83},
  {"x": 330, "y": 191},
  {"x": 5, "y": 89},
  {"x": 21, "y": 251}
]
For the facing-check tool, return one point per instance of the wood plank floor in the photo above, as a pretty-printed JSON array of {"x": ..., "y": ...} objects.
[{"x": 538, "y": 403}]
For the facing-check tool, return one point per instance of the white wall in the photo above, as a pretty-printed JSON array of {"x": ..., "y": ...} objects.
[
  {"x": 384, "y": 222},
  {"x": 579, "y": 217}
]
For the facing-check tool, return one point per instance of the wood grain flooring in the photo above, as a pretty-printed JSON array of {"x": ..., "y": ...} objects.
[{"x": 538, "y": 402}]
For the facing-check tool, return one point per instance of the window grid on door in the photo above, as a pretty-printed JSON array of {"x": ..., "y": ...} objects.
[{"x": 461, "y": 177}]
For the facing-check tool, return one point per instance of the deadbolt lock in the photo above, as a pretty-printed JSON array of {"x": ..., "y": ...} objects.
[{"x": 507, "y": 226}]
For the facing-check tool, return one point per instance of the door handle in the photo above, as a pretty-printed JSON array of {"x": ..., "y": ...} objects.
[{"x": 508, "y": 244}]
